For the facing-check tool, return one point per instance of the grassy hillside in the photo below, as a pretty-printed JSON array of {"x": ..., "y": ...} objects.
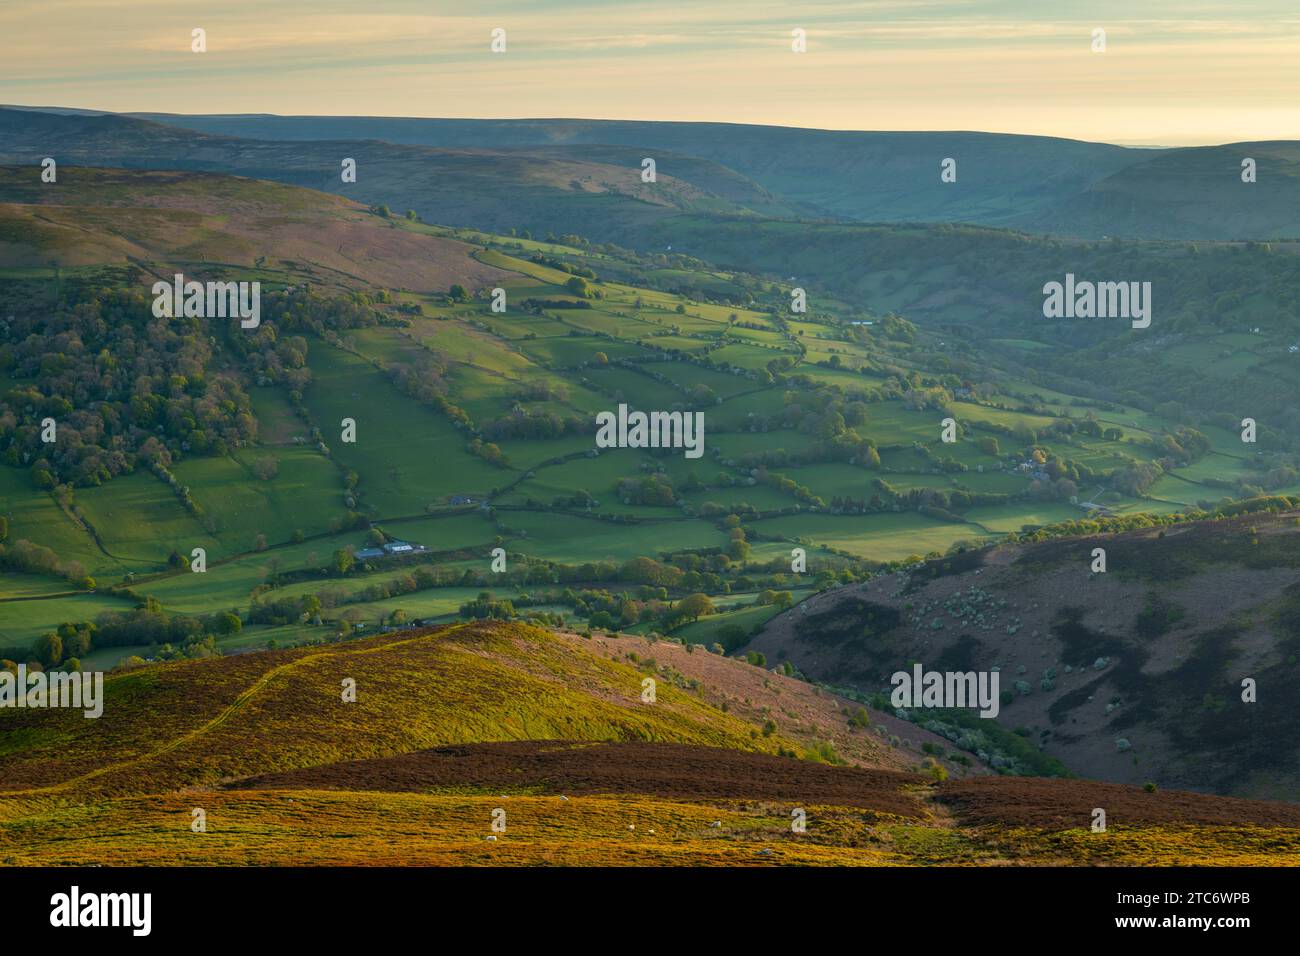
[
  {"x": 475, "y": 430},
  {"x": 1133, "y": 675},
  {"x": 235, "y": 716},
  {"x": 1150, "y": 198},
  {"x": 197, "y": 223},
  {"x": 451, "y": 729},
  {"x": 979, "y": 285},
  {"x": 360, "y": 577},
  {"x": 453, "y": 726},
  {"x": 1223, "y": 317}
]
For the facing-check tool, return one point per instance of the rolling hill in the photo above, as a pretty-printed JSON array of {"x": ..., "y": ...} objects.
[
  {"x": 575, "y": 189},
  {"x": 973, "y": 282},
  {"x": 475, "y": 428},
  {"x": 393, "y": 480},
  {"x": 870, "y": 176},
  {"x": 1030, "y": 183},
  {"x": 1131, "y": 675},
  {"x": 448, "y": 754},
  {"x": 167, "y": 221}
]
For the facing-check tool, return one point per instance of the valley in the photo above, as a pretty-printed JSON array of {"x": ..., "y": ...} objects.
[{"x": 509, "y": 433}]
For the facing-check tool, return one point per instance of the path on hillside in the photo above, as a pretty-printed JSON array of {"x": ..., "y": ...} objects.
[{"x": 224, "y": 715}]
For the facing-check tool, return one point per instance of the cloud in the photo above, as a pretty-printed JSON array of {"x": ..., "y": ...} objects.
[{"x": 1013, "y": 64}]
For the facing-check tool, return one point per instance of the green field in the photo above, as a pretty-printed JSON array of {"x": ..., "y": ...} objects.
[
  {"x": 774, "y": 399},
  {"x": 885, "y": 537}
]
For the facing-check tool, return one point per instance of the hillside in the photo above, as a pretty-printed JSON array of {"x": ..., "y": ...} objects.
[
  {"x": 1032, "y": 183},
  {"x": 475, "y": 430},
  {"x": 500, "y": 589},
  {"x": 1130, "y": 675},
  {"x": 231, "y": 717},
  {"x": 1226, "y": 305},
  {"x": 169, "y": 221},
  {"x": 576, "y": 189},
  {"x": 454, "y": 727},
  {"x": 869, "y": 176},
  {"x": 1223, "y": 316},
  {"x": 1151, "y": 199}
]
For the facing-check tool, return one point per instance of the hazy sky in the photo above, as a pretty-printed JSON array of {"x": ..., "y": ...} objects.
[{"x": 1172, "y": 73}]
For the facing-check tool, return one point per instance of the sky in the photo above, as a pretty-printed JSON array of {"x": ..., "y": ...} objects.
[{"x": 1184, "y": 73}]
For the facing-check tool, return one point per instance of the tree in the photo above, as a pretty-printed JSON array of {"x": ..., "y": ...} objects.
[
  {"x": 730, "y": 636},
  {"x": 264, "y": 469},
  {"x": 578, "y": 286},
  {"x": 343, "y": 560},
  {"x": 311, "y": 608},
  {"x": 694, "y": 606},
  {"x": 782, "y": 599},
  {"x": 48, "y": 649},
  {"x": 458, "y": 293}
]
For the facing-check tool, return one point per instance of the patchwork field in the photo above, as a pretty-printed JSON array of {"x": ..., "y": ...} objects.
[{"x": 642, "y": 657}]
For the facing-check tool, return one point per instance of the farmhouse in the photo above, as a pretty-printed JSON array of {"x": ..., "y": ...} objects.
[{"x": 391, "y": 549}]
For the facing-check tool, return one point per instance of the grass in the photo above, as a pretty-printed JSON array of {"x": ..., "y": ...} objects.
[
  {"x": 410, "y": 457},
  {"x": 141, "y": 521},
  {"x": 576, "y": 539},
  {"x": 407, "y": 455},
  {"x": 320, "y": 828},
  {"x": 746, "y": 617},
  {"x": 23, "y": 621},
  {"x": 878, "y": 537},
  {"x": 243, "y": 506},
  {"x": 281, "y": 710},
  {"x": 34, "y": 516}
]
